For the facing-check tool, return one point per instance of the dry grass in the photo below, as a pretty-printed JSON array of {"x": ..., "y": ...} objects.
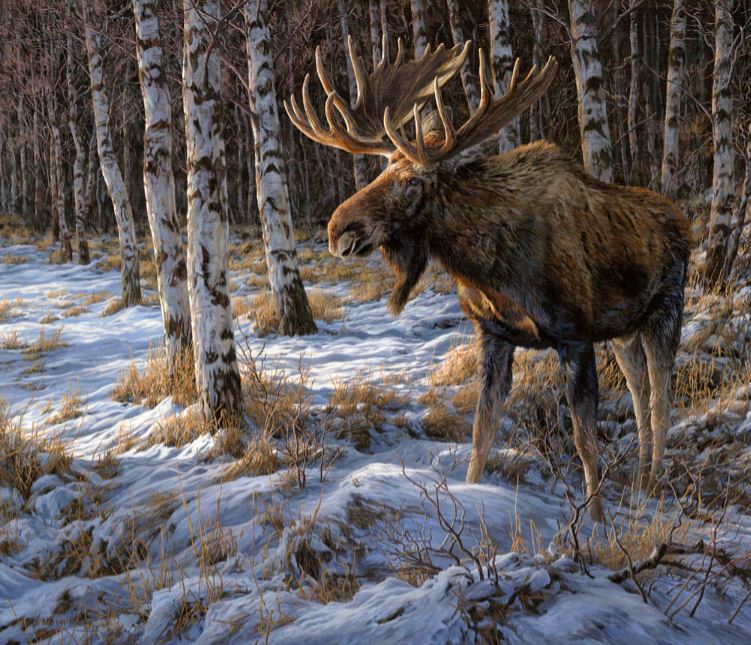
[
  {"x": 180, "y": 429},
  {"x": 12, "y": 341},
  {"x": 151, "y": 385},
  {"x": 95, "y": 297},
  {"x": 48, "y": 319},
  {"x": 25, "y": 457},
  {"x": 258, "y": 458},
  {"x": 14, "y": 259},
  {"x": 361, "y": 406},
  {"x": 69, "y": 409},
  {"x": 325, "y": 306},
  {"x": 110, "y": 262},
  {"x": 8, "y": 308},
  {"x": 458, "y": 366},
  {"x": 113, "y": 306},
  {"x": 45, "y": 343},
  {"x": 75, "y": 311},
  {"x": 439, "y": 423},
  {"x": 465, "y": 400}
]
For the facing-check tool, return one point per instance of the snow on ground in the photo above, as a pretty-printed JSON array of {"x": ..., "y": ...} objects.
[{"x": 168, "y": 547}]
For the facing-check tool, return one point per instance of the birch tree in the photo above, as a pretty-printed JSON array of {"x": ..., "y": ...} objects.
[
  {"x": 676, "y": 67},
  {"x": 419, "y": 37},
  {"x": 502, "y": 55},
  {"x": 78, "y": 162},
  {"x": 633, "y": 94},
  {"x": 159, "y": 184},
  {"x": 593, "y": 117},
  {"x": 271, "y": 183},
  {"x": 375, "y": 30},
  {"x": 131, "y": 286},
  {"x": 217, "y": 375},
  {"x": 723, "y": 185},
  {"x": 360, "y": 162},
  {"x": 56, "y": 152},
  {"x": 469, "y": 81}
]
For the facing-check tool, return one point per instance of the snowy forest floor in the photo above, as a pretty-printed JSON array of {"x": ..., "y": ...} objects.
[{"x": 342, "y": 515}]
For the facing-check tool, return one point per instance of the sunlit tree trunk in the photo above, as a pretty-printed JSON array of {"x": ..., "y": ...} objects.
[
  {"x": 131, "y": 287},
  {"x": 375, "y": 30},
  {"x": 419, "y": 34},
  {"x": 56, "y": 167},
  {"x": 740, "y": 219},
  {"x": 633, "y": 95},
  {"x": 92, "y": 174},
  {"x": 217, "y": 375},
  {"x": 78, "y": 185},
  {"x": 723, "y": 185},
  {"x": 469, "y": 81},
  {"x": 38, "y": 183},
  {"x": 676, "y": 66},
  {"x": 360, "y": 163},
  {"x": 502, "y": 56},
  {"x": 24, "y": 197},
  {"x": 271, "y": 183},
  {"x": 593, "y": 117},
  {"x": 159, "y": 184}
]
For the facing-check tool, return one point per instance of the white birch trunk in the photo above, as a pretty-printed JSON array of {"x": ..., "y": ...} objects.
[
  {"x": 13, "y": 176},
  {"x": 159, "y": 184},
  {"x": 271, "y": 183},
  {"x": 723, "y": 185},
  {"x": 375, "y": 30},
  {"x": 131, "y": 287},
  {"x": 359, "y": 162},
  {"x": 740, "y": 222},
  {"x": 217, "y": 375},
  {"x": 673, "y": 92},
  {"x": 66, "y": 249},
  {"x": 78, "y": 183},
  {"x": 92, "y": 174},
  {"x": 419, "y": 35},
  {"x": 24, "y": 205},
  {"x": 469, "y": 81},
  {"x": 502, "y": 64},
  {"x": 593, "y": 117},
  {"x": 38, "y": 183},
  {"x": 633, "y": 96}
]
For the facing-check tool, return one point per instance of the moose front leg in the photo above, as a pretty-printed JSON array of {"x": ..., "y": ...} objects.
[
  {"x": 580, "y": 371},
  {"x": 496, "y": 359}
]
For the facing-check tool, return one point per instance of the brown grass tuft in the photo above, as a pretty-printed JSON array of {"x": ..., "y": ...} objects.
[
  {"x": 443, "y": 425},
  {"x": 152, "y": 384},
  {"x": 8, "y": 308},
  {"x": 325, "y": 306},
  {"x": 458, "y": 366}
]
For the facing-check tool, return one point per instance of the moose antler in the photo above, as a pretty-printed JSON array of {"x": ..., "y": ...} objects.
[
  {"x": 396, "y": 87},
  {"x": 489, "y": 117}
]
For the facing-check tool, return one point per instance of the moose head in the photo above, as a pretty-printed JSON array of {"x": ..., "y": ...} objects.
[{"x": 394, "y": 211}]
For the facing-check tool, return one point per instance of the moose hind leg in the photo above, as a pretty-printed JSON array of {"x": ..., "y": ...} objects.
[
  {"x": 496, "y": 358},
  {"x": 580, "y": 371},
  {"x": 629, "y": 354}
]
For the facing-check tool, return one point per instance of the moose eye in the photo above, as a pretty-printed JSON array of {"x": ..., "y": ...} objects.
[{"x": 413, "y": 181}]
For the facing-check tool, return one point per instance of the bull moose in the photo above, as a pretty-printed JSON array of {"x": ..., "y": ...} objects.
[{"x": 542, "y": 254}]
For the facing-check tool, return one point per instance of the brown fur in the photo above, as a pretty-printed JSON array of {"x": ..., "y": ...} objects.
[{"x": 543, "y": 256}]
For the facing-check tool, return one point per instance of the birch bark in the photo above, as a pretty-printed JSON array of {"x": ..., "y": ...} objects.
[
  {"x": 419, "y": 36},
  {"x": 676, "y": 66},
  {"x": 271, "y": 183},
  {"x": 78, "y": 185},
  {"x": 360, "y": 163},
  {"x": 502, "y": 64},
  {"x": 159, "y": 184},
  {"x": 469, "y": 81},
  {"x": 56, "y": 152},
  {"x": 723, "y": 185},
  {"x": 593, "y": 117},
  {"x": 131, "y": 287},
  {"x": 217, "y": 375},
  {"x": 633, "y": 95}
]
